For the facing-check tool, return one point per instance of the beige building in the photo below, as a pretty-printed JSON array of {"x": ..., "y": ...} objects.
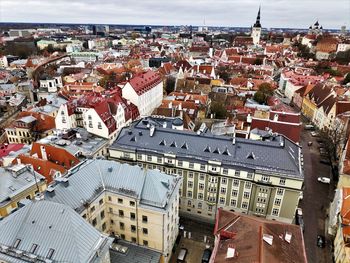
[
  {"x": 128, "y": 202},
  {"x": 16, "y": 183},
  {"x": 263, "y": 178}
]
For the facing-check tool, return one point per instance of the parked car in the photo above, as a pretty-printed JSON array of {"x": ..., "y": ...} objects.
[
  {"x": 324, "y": 180},
  {"x": 314, "y": 134},
  {"x": 182, "y": 255},
  {"x": 309, "y": 127},
  {"x": 321, "y": 241},
  {"x": 206, "y": 256}
]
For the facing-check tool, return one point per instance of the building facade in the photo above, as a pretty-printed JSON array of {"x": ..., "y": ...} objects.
[
  {"x": 253, "y": 177},
  {"x": 128, "y": 202}
]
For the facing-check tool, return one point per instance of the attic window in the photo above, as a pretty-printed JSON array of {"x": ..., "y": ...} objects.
[
  {"x": 50, "y": 253},
  {"x": 18, "y": 241},
  {"x": 133, "y": 139},
  {"x": 216, "y": 151},
  {"x": 12, "y": 188},
  {"x": 162, "y": 142},
  {"x": 207, "y": 149},
  {"x": 226, "y": 152},
  {"x": 173, "y": 144},
  {"x": 33, "y": 248},
  {"x": 184, "y": 146},
  {"x": 251, "y": 156}
]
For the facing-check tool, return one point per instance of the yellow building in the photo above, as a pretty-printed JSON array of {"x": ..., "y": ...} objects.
[
  {"x": 134, "y": 204},
  {"x": 308, "y": 108},
  {"x": 16, "y": 183}
]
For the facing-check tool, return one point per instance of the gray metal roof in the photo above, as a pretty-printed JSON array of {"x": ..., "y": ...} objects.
[
  {"x": 279, "y": 155},
  {"x": 16, "y": 179},
  {"x": 134, "y": 254},
  {"x": 51, "y": 226},
  {"x": 92, "y": 177}
]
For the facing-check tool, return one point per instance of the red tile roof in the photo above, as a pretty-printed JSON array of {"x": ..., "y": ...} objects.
[
  {"x": 5, "y": 149},
  {"x": 143, "y": 82}
]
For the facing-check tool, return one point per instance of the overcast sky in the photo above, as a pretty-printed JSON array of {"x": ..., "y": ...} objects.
[{"x": 274, "y": 13}]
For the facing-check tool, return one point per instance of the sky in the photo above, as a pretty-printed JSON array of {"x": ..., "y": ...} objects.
[{"x": 274, "y": 13}]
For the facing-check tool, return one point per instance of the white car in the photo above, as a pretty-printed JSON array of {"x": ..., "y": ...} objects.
[
  {"x": 324, "y": 180},
  {"x": 299, "y": 211},
  {"x": 314, "y": 134}
]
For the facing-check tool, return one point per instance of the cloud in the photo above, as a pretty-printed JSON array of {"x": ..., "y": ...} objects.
[{"x": 275, "y": 13}]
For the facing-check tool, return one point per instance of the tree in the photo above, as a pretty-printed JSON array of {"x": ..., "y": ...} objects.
[
  {"x": 218, "y": 109},
  {"x": 347, "y": 79},
  {"x": 334, "y": 139},
  {"x": 265, "y": 91}
]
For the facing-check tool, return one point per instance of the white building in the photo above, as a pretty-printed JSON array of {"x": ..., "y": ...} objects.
[
  {"x": 51, "y": 85},
  {"x": 3, "y": 62},
  {"x": 145, "y": 91},
  {"x": 256, "y": 30}
]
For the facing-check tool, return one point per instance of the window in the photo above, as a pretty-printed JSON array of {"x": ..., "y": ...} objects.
[
  {"x": 238, "y": 173},
  {"x": 234, "y": 193},
  {"x": 145, "y": 231},
  {"x": 103, "y": 226},
  {"x": 250, "y": 175},
  {"x": 277, "y": 201},
  {"x": 33, "y": 248},
  {"x": 200, "y": 196},
  {"x": 280, "y": 191},
  {"x": 144, "y": 219},
  {"x": 102, "y": 214},
  {"x": 179, "y": 172},
  {"x": 121, "y": 225},
  {"x": 222, "y": 200},
  {"x": 149, "y": 158},
  {"x": 210, "y": 208},
  {"x": 133, "y": 239},
  {"x": 110, "y": 198},
  {"x": 101, "y": 202},
  {"x": 201, "y": 177},
  {"x": 132, "y": 203},
  {"x": 50, "y": 253},
  {"x": 159, "y": 159},
  {"x": 202, "y": 167},
  {"x": 189, "y": 203},
  {"x": 145, "y": 243},
  {"x": 246, "y": 195},
  {"x": 133, "y": 228},
  {"x": 132, "y": 216},
  {"x": 94, "y": 222},
  {"x": 282, "y": 181},
  {"x": 126, "y": 155},
  {"x": 180, "y": 163},
  {"x": 244, "y": 205},
  {"x": 224, "y": 180},
  {"x": 92, "y": 209},
  {"x": 223, "y": 190},
  {"x": 190, "y": 175},
  {"x": 121, "y": 213},
  {"x": 233, "y": 202},
  {"x": 190, "y": 184},
  {"x": 214, "y": 168},
  {"x": 139, "y": 156},
  {"x": 235, "y": 182},
  {"x": 191, "y": 165},
  {"x": 275, "y": 212},
  {"x": 99, "y": 125},
  {"x": 112, "y": 222},
  {"x": 90, "y": 124},
  {"x": 201, "y": 186},
  {"x": 189, "y": 194},
  {"x": 18, "y": 241},
  {"x": 200, "y": 205},
  {"x": 265, "y": 178},
  {"x": 225, "y": 171},
  {"x": 120, "y": 201},
  {"x": 122, "y": 236}
]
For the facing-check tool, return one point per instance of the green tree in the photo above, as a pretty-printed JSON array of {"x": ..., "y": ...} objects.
[
  {"x": 265, "y": 91},
  {"x": 347, "y": 79},
  {"x": 219, "y": 110}
]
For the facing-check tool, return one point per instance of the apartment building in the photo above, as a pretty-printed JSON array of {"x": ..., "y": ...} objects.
[
  {"x": 16, "y": 183},
  {"x": 262, "y": 178},
  {"x": 129, "y": 202}
]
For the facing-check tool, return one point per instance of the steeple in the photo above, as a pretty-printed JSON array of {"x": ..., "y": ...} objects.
[{"x": 257, "y": 23}]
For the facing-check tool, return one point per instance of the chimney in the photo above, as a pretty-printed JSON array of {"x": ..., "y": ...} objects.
[
  {"x": 50, "y": 191},
  {"x": 43, "y": 152},
  {"x": 275, "y": 118},
  {"x": 180, "y": 107}
]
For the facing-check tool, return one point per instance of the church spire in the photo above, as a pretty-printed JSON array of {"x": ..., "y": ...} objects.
[{"x": 257, "y": 23}]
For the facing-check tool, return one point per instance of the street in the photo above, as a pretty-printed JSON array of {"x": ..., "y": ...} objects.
[{"x": 316, "y": 200}]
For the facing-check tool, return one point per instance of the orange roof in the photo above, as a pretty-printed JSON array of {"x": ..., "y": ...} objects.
[
  {"x": 43, "y": 122},
  {"x": 345, "y": 210}
]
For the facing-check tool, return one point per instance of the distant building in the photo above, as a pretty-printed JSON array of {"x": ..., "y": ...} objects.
[
  {"x": 256, "y": 30},
  {"x": 129, "y": 202},
  {"x": 246, "y": 239},
  {"x": 43, "y": 231},
  {"x": 18, "y": 182}
]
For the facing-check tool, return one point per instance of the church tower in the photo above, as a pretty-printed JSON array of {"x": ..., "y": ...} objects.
[{"x": 256, "y": 30}]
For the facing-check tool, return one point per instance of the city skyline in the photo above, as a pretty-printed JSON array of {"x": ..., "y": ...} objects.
[{"x": 275, "y": 13}]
